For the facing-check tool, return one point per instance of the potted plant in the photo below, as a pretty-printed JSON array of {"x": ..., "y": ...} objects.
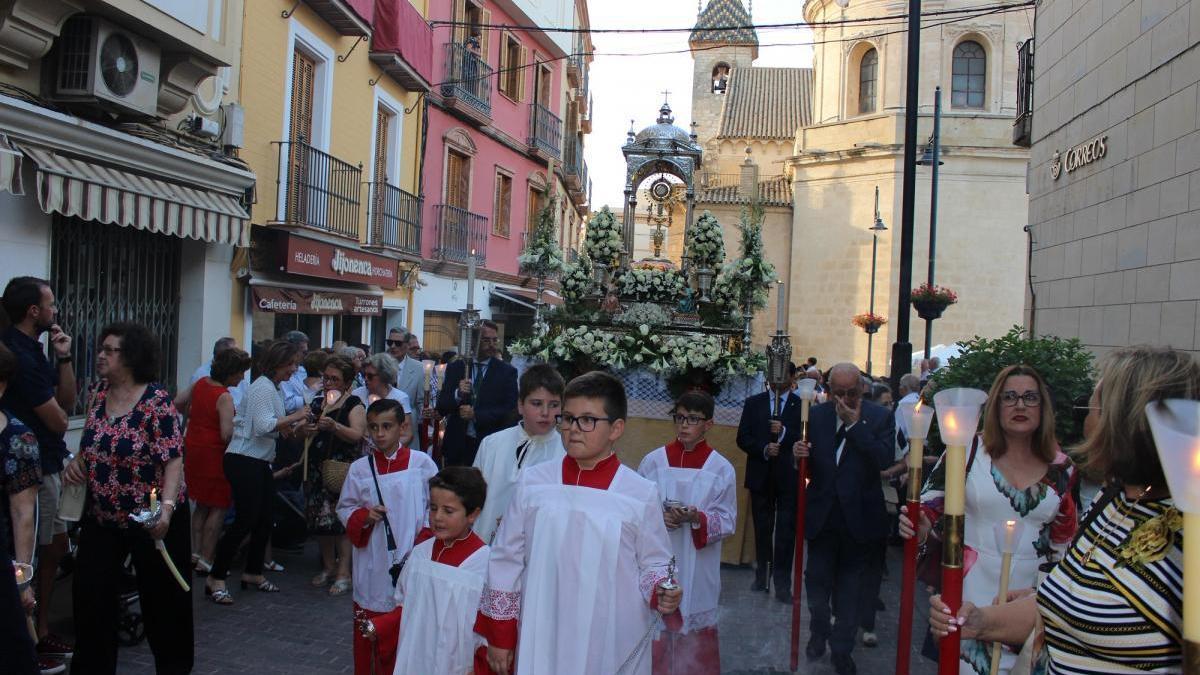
[
  {"x": 868, "y": 322},
  {"x": 931, "y": 300}
]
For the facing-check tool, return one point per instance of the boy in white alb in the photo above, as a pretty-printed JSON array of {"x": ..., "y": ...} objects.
[
  {"x": 438, "y": 593},
  {"x": 573, "y": 580},
  {"x": 383, "y": 505},
  {"x": 699, "y": 493},
  {"x": 503, "y": 455}
]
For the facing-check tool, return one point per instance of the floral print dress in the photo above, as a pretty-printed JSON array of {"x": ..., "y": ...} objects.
[
  {"x": 20, "y": 469},
  {"x": 1047, "y": 511}
]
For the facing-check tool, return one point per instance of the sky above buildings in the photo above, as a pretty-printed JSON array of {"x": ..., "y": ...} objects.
[{"x": 631, "y": 70}]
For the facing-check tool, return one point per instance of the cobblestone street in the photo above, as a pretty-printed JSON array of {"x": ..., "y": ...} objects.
[{"x": 302, "y": 631}]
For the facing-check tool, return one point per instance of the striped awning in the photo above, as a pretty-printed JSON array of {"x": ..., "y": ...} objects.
[
  {"x": 90, "y": 191},
  {"x": 10, "y": 167}
]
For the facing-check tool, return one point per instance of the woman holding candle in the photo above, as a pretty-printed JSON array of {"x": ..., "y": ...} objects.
[
  {"x": 259, "y": 421},
  {"x": 1114, "y": 603},
  {"x": 339, "y": 424},
  {"x": 1016, "y": 473},
  {"x": 131, "y": 447},
  {"x": 210, "y": 426}
]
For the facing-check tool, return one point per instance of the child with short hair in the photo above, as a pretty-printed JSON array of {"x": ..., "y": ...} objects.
[
  {"x": 503, "y": 455},
  {"x": 383, "y": 505},
  {"x": 438, "y": 593},
  {"x": 699, "y": 492},
  {"x": 573, "y": 580}
]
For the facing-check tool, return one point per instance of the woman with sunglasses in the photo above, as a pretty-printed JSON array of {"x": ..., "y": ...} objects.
[
  {"x": 380, "y": 372},
  {"x": 1015, "y": 471}
]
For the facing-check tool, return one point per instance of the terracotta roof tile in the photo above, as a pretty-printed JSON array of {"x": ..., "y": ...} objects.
[
  {"x": 774, "y": 191},
  {"x": 767, "y": 103}
]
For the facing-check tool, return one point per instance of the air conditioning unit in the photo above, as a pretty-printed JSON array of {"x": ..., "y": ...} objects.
[{"x": 99, "y": 62}]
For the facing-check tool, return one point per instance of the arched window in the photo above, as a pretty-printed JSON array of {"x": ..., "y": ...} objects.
[
  {"x": 970, "y": 75},
  {"x": 868, "y": 75},
  {"x": 720, "y": 78}
]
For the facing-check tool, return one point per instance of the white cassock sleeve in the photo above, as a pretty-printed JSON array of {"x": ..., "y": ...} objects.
[
  {"x": 501, "y": 599},
  {"x": 652, "y": 546},
  {"x": 720, "y": 513},
  {"x": 352, "y": 498}
]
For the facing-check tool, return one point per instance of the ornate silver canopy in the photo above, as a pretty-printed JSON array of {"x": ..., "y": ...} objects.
[{"x": 661, "y": 148}]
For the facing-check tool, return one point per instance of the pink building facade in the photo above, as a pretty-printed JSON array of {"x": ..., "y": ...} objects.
[{"x": 505, "y": 132}]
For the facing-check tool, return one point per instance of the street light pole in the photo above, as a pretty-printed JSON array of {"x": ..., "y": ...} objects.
[
  {"x": 902, "y": 348},
  {"x": 876, "y": 228},
  {"x": 933, "y": 158}
]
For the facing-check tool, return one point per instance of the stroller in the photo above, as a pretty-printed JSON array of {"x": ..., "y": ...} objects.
[{"x": 130, "y": 628}]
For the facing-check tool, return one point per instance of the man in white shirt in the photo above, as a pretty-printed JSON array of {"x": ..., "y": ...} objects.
[{"x": 293, "y": 389}]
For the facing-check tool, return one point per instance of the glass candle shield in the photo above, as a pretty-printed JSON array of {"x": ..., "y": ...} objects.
[
  {"x": 1175, "y": 424},
  {"x": 1008, "y": 535},
  {"x": 917, "y": 417},
  {"x": 806, "y": 389},
  {"x": 958, "y": 412}
]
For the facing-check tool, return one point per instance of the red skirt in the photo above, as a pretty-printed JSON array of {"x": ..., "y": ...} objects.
[{"x": 205, "y": 476}]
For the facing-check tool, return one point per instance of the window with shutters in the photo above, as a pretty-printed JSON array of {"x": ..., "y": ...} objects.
[
  {"x": 502, "y": 204},
  {"x": 969, "y": 76},
  {"x": 304, "y": 73},
  {"x": 458, "y": 179},
  {"x": 513, "y": 58},
  {"x": 868, "y": 76},
  {"x": 542, "y": 87},
  {"x": 537, "y": 200}
]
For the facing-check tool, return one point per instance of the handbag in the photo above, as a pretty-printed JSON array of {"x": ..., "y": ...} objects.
[
  {"x": 929, "y": 556},
  {"x": 333, "y": 475}
]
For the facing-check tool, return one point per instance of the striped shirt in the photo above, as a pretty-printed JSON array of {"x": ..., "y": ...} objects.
[{"x": 1106, "y": 616}]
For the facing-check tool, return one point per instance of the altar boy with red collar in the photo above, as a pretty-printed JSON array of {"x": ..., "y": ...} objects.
[
  {"x": 699, "y": 490},
  {"x": 439, "y": 589},
  {"x": 573, "y": 579},
  {"x": 383, "y": 505}
]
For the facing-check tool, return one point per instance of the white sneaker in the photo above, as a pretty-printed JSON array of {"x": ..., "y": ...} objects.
[{"x": 869, "y": 639}]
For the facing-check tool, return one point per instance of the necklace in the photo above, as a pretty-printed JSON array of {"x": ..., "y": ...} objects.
[{"x": 1124, "y": 515}]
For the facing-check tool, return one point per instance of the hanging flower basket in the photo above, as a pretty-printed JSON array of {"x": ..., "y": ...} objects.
[
  {"x": 869, "y": 322},
  {"x": 931, "y": 301}
]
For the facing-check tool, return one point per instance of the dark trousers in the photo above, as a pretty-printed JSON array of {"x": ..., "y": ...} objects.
[
  {"x": 253, "y": 491},
  {"x": 834, "y": 571},
  {"x": 774, "y": 513},
  {"x": 462, "y": 452},
  {"x": 166, "y": 608},
  {"x": 15, "y": 643},
  {"x": 872, "y": 581}
]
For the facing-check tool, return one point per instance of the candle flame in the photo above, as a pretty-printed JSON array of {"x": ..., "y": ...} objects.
[
  {"x": 1010, "y": 524},
  {"x": 472, "y": 253},
  {"x": 917, "y": 407},
  {"x": 1196, "y": 460}
]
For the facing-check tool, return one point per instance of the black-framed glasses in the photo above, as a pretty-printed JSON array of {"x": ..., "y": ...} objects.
[
  {"x": 689, "y": 420},
  {"x": 1031, "y": 399},
  {"x": 584, "y": 423},
  {"x": 394, "y": 343}
]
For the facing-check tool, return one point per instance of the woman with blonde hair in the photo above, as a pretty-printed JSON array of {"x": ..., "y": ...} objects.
[
  {"x": 1015, "y": 471},
  {"x": 1114, "y": 603}
]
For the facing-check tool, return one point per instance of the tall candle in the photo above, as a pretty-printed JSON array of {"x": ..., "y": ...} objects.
[
  {"x": 428, "y": 373},
  {"x": 916, "y": 453},
  {"x": 471, "y": 280},
  {"x": 781, "y": 311}
]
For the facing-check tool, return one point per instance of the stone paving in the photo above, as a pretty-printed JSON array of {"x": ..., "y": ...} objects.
[{"x": 303, "y": 631}]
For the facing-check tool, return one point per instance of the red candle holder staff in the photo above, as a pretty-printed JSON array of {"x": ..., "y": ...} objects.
[{"x": 917, "y": 417}]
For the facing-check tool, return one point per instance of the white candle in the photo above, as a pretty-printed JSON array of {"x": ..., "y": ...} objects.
[
  {"x": 781, "y": 314},
  {"x": 428, "y": 373},
  {"x": 471, "y": 280},
  {"x": 1009, "y": 529},
  {"x": 153, "y": 499}
]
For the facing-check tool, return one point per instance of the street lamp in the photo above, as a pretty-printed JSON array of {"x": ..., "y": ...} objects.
[
  {"x": 875, "y": 228},
  {"x": 933, "y": 158}
]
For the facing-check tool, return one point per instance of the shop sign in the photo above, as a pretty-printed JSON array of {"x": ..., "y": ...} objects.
[
  {"x": 319, "y": 259},
  {"x": 1079, "y": 156},
  {"x": 298, "y": 301}
]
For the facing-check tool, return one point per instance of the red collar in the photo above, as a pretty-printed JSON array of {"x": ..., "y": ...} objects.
[
  {"x": 398, "y": 462},
  {"x": 599, "y": 477},
  {"x": 455, "y": 553},
  {"x": 679, "y": 458}
]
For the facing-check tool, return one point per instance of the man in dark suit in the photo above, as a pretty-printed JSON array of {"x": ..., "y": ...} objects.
[
  {"x": 850, "y": 441},
  {"x": 477, "y": 403},
  {"x": 770, "y": 424}
]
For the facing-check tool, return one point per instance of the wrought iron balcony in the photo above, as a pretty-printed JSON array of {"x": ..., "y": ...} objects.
[
  {"x": 573, "y": 162},
  {"x": 395, "y": 219},
  {"x": 458, "y": 232},
  {"x": 545, "y": 132},
  {"x": 1023, "y": 125},
  {"x": 468, "y": 79},
  {"x": 319, "y": 190}
]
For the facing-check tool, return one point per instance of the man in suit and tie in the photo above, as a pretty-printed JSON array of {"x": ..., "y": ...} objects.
[
  {"x": 850, "y": 441},
  {"x": 410, "y": 377},
  {"x": 770, "y": 424},
  {"x": 478, "y": 402}
]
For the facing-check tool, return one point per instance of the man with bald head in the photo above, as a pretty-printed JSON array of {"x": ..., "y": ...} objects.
[{"x": 850, "y": 441}]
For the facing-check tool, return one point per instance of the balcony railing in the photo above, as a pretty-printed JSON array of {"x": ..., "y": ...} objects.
[
  {"x": 1023, "y": 125},
  {"x": 319, "y": 190},
  {"x": 545, "y": 131},
  {"x": 395, "y": 218},
  {"x": 469, "y": 78},
  {"x": 458, "y": 232},
  {"x": 573, "y": 161}
]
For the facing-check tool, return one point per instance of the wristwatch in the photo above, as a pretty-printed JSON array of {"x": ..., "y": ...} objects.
[{"x": 64, "y": 359}]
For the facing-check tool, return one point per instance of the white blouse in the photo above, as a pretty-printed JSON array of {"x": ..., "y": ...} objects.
[{"x": 254, "y": 423}]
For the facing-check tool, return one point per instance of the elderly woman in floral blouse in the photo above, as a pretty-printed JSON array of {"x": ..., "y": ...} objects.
[
  {"x": 131, "y": 446},
  {"x": 20, "y": 474}
]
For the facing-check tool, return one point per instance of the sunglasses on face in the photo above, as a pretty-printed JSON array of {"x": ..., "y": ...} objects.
[{"x": 394, "y": 343}]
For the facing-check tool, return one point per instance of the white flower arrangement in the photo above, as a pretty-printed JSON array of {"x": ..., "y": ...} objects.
[
  {"x": 542, "y": 257},
  {"x": 692, "y": 351},
  {"x": 644, "y": 313},
  {"x": 651, "y": 284},
  {"x": 576, "y": 281},
  {"x": 749, "y": 276},
  {"x": 604, "y": 242},
  {"x": 705, "y": 244}
]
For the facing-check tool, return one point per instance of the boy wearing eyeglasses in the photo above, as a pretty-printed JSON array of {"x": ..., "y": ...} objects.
[
  {"x": 575, "y": 571},
  {"x": 503, "y": 455},
  {"x": 699, "y": 493}
]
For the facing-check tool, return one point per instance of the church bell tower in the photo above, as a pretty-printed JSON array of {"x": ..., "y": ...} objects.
[{"x": 722, "y": 40}]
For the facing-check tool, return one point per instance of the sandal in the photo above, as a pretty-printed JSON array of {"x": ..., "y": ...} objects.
[
  {"x": 339, "y": 586},
  {"x": 322, "y": 578},
  {"x": 273, "y": 566},
  {"x": 220, "y": 596},
  {"x": 263, "y": 585}
]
